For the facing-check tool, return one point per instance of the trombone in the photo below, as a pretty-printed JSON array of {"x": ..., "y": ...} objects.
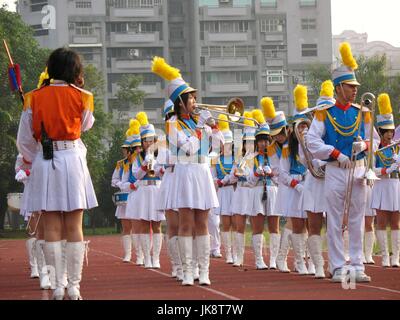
[{"x": 234, "y": 109}]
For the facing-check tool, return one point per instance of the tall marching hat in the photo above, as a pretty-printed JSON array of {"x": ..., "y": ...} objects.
[
  {"x": 325, "y": 99},
  {"x": 276, "y": 119},
  {"x": 345, "y": 73},
  {"x": 176, "y": 86},
  {"x": 146, "y": 129},
  {"x": 132, "y": 135},
  {"x": 168, "y": 108},
  {"x": 249, "y": 132},
  {"x": 264, "y": 127},
  {"x": 301, "y": 104},
  {"x": 385, "y": 119},
  {"x": 223, "y": 126}
]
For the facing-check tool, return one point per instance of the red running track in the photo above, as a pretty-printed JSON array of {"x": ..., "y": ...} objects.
[{"x": 108, "y": 278}]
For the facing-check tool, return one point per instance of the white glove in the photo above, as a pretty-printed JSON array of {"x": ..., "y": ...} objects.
[
  {"x": 267, "y": 170},
  {"x": 316, "y": 163},
  {"x": 299, "y": 188},
  {"x": 344, "y": 161},
  {"x": 396, "y": 157},
  {"x": 226, "y": 179},
  {"x": 21, "y": 176},
  {"x": 359, "y": 146},
  {"x": 149, "y": 157},
  {"x": 392, "y": 168},
  {"x": 260, "y": 171},
  {"x": 205, "y": 116}
]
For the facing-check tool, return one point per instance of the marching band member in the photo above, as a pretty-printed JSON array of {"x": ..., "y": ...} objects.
[
  {"x": 292, "y": 174},
  {"x": 225, "y": 188},
  {"x": 385, "y": 193},
  {"x": 167, "y": 195},
  {"x": 130, "y": 149},
  {"x": 331, "y": 138},
  {"x": 55, "y": 115},
  {"x": 196, "y": 194},
  {"x": 240, "y": 205},
  {"x": 142, "y": 205}
]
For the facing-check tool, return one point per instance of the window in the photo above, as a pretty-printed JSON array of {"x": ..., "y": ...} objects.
[
  {"x": 269, "y": 3},
  {"x": 275, "y": 77},
  {"x": 271, "y": 25},
  {"x": 225, "y": 26},
  {"x": 308, "y": 3},
  {"x": 84, "y": 28},
  {"x": 176, "y": 32},
  {"x": 39, "y": 31},
  {"x": 228, "y": 51},
  {"x": 83, "y": 4},
  {"x": 136, "y": 3},
  {"x": 309, "y": 50},
  {"x": 308, "y": 24},
  {"x": 37, "y": 5}
]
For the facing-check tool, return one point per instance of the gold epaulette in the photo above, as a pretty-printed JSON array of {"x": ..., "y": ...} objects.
[
  {"x": 320, "y": 115},
  {"x": 285, "y": 151},
  {"x": 87, "y": 98},
  {"x": 28, "y": 100},
  {"x": 271, "y": 149},
  {"x": 367, "y": 117}
]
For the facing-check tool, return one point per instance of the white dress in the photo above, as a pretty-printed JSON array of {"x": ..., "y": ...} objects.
[
  {"x": 224, "y": 193},
  {"x": 168, "y": 183}
]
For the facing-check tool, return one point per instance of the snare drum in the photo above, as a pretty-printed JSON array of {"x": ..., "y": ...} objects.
[
  {"x": 14, "y": 201},
  {"x": 120, "y": 198}
]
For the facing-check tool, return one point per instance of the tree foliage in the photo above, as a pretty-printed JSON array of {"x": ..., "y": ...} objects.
[{"x": 128, "y": 92}]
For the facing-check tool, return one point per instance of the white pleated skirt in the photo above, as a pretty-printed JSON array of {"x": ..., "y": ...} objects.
[
  {"x": 313, "y": 198},
  {"x": 270, "y": 203},
  {"x": 385, "y": 195},
  {"x": 66, "y": 188},
  {"x": 289, "y": 203},
  {"x": 167, "y": 191},
  {"x": 120, "y": 212},
  {"x": 194, "y": 187},
  {"x": 369, "y": 212},
  {"x": 225, "y": 196},
  {"x": 142, "y": 204},
  {"x": 241, "y": 201}
]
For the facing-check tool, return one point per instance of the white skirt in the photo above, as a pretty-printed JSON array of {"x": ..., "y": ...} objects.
[
  {"x": 66, "y": 188},
  {"x": 194, "y": 187},
  {"x": 241, "y": 203},
  {"x": 289, "y": 203},
  {"x": 142, "y": 204},
  {"x": 270, "y": 204},
  {"x": 120, "y": 212},
  {"x": 225, "y": 196},
  {"x": 167, "y": 191},
  {"x": 385, "y": 195},
  {"x": 369, "y": 212},
  {"x": 313, "y": 198}
]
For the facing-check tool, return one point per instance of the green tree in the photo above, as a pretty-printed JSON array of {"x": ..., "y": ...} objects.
[
  {"x": 128, "y": 92},
  {"x": 25, "y": 51}
]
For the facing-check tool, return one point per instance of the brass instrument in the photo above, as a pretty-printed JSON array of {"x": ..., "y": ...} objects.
[
  {"x": 150, "y": 166},
  {"x": 241, "y": 167},
  {"x": 234, "y": 110},
  {"x": 320, "y": 172},
  {"x": 393, "y": 144}
]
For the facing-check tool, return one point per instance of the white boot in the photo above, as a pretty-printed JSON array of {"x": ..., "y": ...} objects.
[
  {"x": 281, "y": 260},
  {"x": 346, "y": 245},
  {"x": 227, "y": 244},
  {"x": 173, "y": 249},
  {"x": 138, "y": 249},
  {"x": 157, "y": 244},
  {"x": 65, "y": 277},
  {"x": 75, "y": 253},
  {"x": 381, "y": 236},
  {"x": 203, "y": 256},
  {"x": 310, "y": 262},
  {"x": 186, "y": 253},
  {"x": 145, "y": 243},
  {"x": 234, "y": 247},
  {"x": 53, "y": 255},
  {"x": 240, "y": 246},
  {"x": 257, "y": 241},
  {"x": 395, "y": 248},
  {"x": 42, "y": 267},
  {"x": 299, "y": 249},
  {"x": 369, "y": 247},
  {"x": 315, "y": 248},
  {"x": 274, "y": 241},
  {"x": 195, "y": 261},
  {"x": 127, "y": 245},
  {"x": 30, "y": 243}
]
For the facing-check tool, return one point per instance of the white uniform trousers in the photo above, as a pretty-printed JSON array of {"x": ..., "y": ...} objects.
[
  {"x": 336, "y": 183},
  {"x": 213, "y": 230}
]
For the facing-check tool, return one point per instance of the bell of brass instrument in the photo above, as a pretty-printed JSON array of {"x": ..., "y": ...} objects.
[
  {"x": 242, "y": 165},
  {"x": 151, "y": 164},
  {"x": 316, "y": 173}
]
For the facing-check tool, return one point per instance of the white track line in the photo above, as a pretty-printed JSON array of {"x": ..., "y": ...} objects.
[{"x": 227, "y": 296}]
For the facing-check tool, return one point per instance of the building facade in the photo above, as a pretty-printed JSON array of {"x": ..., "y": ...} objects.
[{"x": 225, "y": 48}]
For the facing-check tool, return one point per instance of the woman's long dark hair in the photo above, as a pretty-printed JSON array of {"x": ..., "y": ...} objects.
[
  {"x": 293, "y": 144},
  {"x": 259, "y": 138},
  {"x": 177, "y": 106}
]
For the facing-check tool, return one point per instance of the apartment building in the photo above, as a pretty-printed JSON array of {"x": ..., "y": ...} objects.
[{"x": 225, "y": 48}]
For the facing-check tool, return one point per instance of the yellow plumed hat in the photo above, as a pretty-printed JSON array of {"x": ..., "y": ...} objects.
[
  {"x": 147, "y": 130},
  {"x": 43, "y": 76},
  {"x": 132, "y": 134},
  {"x": 345, "y": 73},
  {"x": 385, "y": 119},
  {"x": 249, "y": 133},
  {"x": 268, "y": 108},
  {"x": 224, "y": 127},
  {"x": 300, "y": 98}
]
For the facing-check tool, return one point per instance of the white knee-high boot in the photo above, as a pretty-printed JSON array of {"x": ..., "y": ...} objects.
[
  {"x": 53, "y": 255},
  {"x": 30, "y": 243},
  {"x": 307, "y": 256},
  {"x": 274, "y": 241},
  {"x": 298, "y": 241},
  {"x": 257, "y": 241},
  {"x": 381, "y": 236},
  {"x": 395, "y": 248},
  {"x": 240, "y": 247},
  {"x": 281, "y": 260},
  {"x": 227, "y": 244},
  {"x": 195, "y": 261},
  {"x": 157, "y": 244},
  {"x": 75, "y": 253},
  {"x": 42, "y": 267},
  {"x": 65, "y": 277},
  {"x": 186, "y": 254},
  {"x": 173, "y": 249},
  {"x": 138, "y": 249},
  {"x": 127, "y": 245},
  {"x": 145, "y": 243},
  {"x": 369, "y": 239},
  {"x": 203, "y": 256},
  {"x": 234, "y": 246},
  {"x": 315, "y": 248}
]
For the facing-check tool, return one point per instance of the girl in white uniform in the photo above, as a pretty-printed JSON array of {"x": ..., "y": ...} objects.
[
  {"x": 142, "y": 203},
  {"x": 386, "y": 191},
  {"x": 195, "y": 192}
]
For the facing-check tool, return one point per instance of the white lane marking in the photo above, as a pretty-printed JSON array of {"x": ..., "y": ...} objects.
[{"x": 167, "y": 275}]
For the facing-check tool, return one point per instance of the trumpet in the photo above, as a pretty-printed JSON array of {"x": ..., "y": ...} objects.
[
  {"x": 150, "y": 165},
  {"x": 393, "y": 144},
  {"x": 242, "y": 165},
  {"x": 234, "y": 109},
  {"x": 320, "y": 172}
]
